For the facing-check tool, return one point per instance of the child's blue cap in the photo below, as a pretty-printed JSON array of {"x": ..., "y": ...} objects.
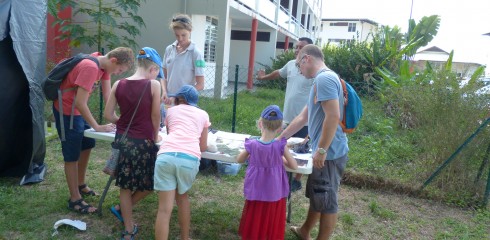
[
  {"x": 271, "y": 113},
  {"x": 189, "y": 93},
  {"x": 152, "y": 54}
]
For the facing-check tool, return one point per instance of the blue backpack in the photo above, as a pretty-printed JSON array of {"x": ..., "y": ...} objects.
[{"x": 352, "y": 108}]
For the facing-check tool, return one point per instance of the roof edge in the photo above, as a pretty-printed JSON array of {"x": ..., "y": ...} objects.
[{"x": 351, "y": 20}]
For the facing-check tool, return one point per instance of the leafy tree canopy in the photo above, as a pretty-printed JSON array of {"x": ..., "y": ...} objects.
[{"x": 110, "y": 23}]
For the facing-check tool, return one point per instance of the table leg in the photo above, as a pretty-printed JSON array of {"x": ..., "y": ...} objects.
[
  {"x": 99, "y": 207},
  {"x": 290, "y": 176}
]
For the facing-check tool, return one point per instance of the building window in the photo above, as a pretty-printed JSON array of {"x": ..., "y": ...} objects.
[
  {"x": 340, "y": 40},
  {"x": 352, "y": 27},
  {"x": 211, "y": 38},
  {"x": 247, "y": 36},
  {"x": 339, "y": 24}
]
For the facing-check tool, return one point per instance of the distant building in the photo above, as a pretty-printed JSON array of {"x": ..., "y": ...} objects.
[
  {"x": 438, "y": 57},
  {"x": 336, "y": 30}
]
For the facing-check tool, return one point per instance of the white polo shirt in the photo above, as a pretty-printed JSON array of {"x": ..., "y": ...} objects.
[
  {"x": 182, "y": 68},
  {"x": 297, "y": 91}
]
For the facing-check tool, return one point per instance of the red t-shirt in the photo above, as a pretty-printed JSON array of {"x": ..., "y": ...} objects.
[{"x": 83, "y": 75}]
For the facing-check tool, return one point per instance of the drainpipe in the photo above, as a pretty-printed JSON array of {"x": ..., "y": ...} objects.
[
  {"x": 286, "y": 43},
  {"x": 251, "y": 58}
]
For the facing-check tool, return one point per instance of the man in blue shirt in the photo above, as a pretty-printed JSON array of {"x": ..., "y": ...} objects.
[{"x": 329, "y": 143}]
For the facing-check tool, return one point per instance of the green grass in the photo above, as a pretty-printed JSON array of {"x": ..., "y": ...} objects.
[
  {"x": 382, "y": 147},
  {"x": 29, "y": 212},
  {"x": 380, "y": 211},
  {"x": 377, "y": 148},
  {"x": 248, "y": 108}
]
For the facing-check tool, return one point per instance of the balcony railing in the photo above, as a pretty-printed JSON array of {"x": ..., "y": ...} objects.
[{"x": 284, "y": 19}]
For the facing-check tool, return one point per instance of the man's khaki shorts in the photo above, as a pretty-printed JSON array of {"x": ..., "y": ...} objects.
[{"x": 323, "y": 184}]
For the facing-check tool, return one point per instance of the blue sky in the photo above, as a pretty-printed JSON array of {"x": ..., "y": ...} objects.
[{"x": 462, "y": 22}]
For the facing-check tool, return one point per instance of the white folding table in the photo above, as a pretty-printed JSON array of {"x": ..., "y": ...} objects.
[{"x": 228, "y": 146}]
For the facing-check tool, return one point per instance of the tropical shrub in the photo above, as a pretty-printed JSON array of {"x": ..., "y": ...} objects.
[{"x": 277, "y": 63}]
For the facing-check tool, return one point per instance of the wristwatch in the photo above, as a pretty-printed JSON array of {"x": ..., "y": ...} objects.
[{"x": 321, "y": 151}]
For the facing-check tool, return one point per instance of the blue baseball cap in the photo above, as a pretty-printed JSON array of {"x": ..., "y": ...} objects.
[
  {"x": 189, "y": 93},
  {"x": 271, "y": 113},
  {"x": 152, "y": 54}
]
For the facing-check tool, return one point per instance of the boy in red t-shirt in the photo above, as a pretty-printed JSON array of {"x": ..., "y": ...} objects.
[{"x": 76, "y": 148}]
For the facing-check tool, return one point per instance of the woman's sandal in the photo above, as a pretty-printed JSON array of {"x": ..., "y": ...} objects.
[
  {"x": 86, "y": 193},
  {"x": 132, "y": 234},
  {"x": 117, "y": 213},
  {"x": 80, "y": 207}
]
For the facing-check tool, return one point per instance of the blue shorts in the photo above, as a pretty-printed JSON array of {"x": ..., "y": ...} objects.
[
  {"x": 323, "y": 184},
  {"x": 175, "y": 170},
  {"x": 74, "y": 142}
]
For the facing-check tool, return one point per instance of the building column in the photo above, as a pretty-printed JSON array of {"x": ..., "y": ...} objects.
[
  {"x": 251, "y": 58},
  {"x": 286, "y": 43},
  {"x": 299, "y": 13}
]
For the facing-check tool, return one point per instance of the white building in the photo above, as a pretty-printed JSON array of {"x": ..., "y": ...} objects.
[
  {"x": 438, "y": 58},
  {"x": 336, "y": 30},
  {"x": 223, "y": 28}
]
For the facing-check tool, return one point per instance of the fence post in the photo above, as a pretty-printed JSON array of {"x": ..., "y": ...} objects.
[
  {"x": 487, "y": 191},
  {"x": 451, "y": 158},
  {"x": 101, "y": 99},
  {"x": 235, "y": 95}
]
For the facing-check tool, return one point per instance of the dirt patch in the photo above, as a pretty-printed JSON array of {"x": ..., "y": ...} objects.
[{"x": 364, "y": 181}]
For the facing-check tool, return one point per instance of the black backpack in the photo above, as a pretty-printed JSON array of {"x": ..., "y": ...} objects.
[
  {"x": 54, "y": 78},
  {"x": 52, "y": 83}
]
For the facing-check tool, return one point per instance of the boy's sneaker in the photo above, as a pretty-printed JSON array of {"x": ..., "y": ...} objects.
[{"x": 295, "y": 185}]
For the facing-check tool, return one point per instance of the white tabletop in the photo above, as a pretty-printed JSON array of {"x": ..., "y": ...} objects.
[{"x": 228, "y": 146}]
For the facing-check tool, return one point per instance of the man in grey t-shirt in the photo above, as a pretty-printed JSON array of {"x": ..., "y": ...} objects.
[{"x": 297, "y": 91}]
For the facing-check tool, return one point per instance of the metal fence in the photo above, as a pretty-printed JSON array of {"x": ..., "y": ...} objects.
[
  {"x": 224, "y": 81},
  {"x": 222, "y": 87}
]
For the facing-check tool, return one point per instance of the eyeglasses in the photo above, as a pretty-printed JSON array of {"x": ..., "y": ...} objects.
[
  {"x": 298, "y": 63},
  {"x": 182, "y": 20}
]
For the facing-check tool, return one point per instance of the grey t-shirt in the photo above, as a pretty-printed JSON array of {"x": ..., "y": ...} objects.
[
  {"x": 328, "y": 87},
  {"x": 182, "y": 68},
  {"x": 297, "y": 91}
]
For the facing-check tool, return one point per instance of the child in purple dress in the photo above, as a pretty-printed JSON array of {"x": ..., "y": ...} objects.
[{"x": 266, "y": 183}]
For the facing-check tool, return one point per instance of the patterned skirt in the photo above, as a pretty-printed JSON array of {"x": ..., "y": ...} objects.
[
  {"x": 136, "y": 164},
  {"x": 263, "y": 220}
]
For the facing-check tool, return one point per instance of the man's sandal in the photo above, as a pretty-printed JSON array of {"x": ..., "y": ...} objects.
[
  {"x": 80, "y": 207},
  {"x": 86, "y": 193},
  {"x": 130, "y": 234}
]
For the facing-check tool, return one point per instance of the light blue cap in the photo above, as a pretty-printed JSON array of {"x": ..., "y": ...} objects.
[{"x": 152, "y": 54}]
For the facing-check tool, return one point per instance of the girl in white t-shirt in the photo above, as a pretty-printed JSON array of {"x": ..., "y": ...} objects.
[{"x": 183, "y": 62}]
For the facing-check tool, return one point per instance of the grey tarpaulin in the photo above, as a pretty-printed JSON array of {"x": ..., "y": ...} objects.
[{"x": 22, "y": 69}]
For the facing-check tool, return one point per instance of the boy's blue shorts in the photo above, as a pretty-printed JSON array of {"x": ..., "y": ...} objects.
[{"x": 74, "y": 142}]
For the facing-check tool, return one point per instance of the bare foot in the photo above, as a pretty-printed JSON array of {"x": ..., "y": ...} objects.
[{"x": 299, "y": 234}]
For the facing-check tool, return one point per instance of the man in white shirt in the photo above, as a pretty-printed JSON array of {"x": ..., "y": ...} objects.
[{"x": 297, "y": 92}]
